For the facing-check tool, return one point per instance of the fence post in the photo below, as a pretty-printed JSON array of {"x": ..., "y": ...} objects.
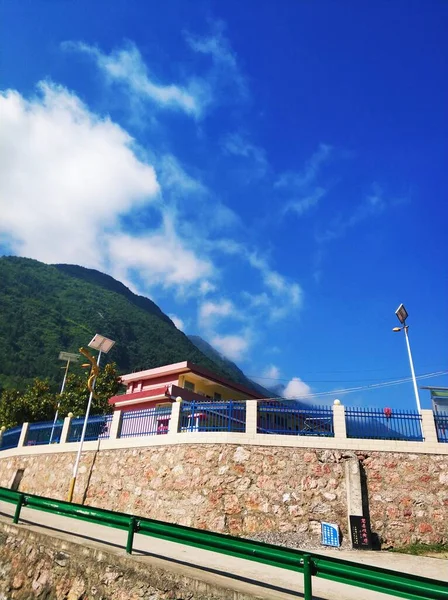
[
  {"x": 428, "y": 426},
  {"x": 20, "y": 503},
  {"x": 174, "y": 424},
  {"x": 307, "y": 577},
  {"x": 339, "y": 425},
  {"x": 2, "y": 431},
  {"x": 132, "y": 529},
  {"x": 115, "y": 426},
  {"x": 66, "y": 428},
  {"x": 251, "y": 416},
  {"x": 23, "y": 435}
]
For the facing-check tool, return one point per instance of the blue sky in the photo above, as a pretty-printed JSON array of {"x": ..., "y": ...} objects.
[{"x": 272, "y": 175}]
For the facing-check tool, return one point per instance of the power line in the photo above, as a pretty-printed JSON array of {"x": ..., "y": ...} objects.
[
  {"x": 303, "y": 375},
  {"x": 365, "y": 387}
]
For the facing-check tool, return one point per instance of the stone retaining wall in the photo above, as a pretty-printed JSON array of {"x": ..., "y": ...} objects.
[
  {"x": 251, "y": 490},
  {"x": 34, "y": 565}
]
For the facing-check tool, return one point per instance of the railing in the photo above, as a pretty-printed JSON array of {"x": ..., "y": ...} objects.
[
  {"x": 41, "y": 433},
  {"x": 441, "y": 423},
  {"x": 309, "y": 564},
  {"x": 281, "y": 417},
  {"x": 213, "y": 416},
  {"x": 290, "y": 418},
  {"x": 10, "y": 438},
  {"x": 377, "y": 424},
  {"x": 152, "y": 421},
  {"x": 98, "y": 428}
]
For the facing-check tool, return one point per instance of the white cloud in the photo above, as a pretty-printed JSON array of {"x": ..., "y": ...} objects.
[
  {"x": 206, "y": 287},
  {"x": 303, "y": 205},
  {"x": 173, "y": 176},
  {"x": 67, "y": 180},
  {"x": 296, "y": 388},
  {"x": 161, "y": 258},
  {"x": 371, "y": 206},
  {"x": 281, "y": 296},
  {"x": 287, "y": 296},
  {"x": 300, "y": 187},
  {"x": 66, "y": 176},
  {"x": 234, "y": 347},
  {"x": 271, "y": 372},
  {"x": 308, "y": 175},
  {"x": 225, "y": 74},
  {"x": 210, "y": 312},
  {"x": 237, "y": 145},
  {"x": 127, "y": 67},
  {"x": 180, "y": 324}
]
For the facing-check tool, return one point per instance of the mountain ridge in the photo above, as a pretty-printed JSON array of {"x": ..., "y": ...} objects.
[{"x": 48, "y": 308}]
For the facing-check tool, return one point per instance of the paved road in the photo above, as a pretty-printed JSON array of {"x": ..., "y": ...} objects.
[{"x": 263, "y": 581}]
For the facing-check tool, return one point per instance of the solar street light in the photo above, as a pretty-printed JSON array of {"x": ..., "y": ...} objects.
[
  {"x": 402, "y": 315},
  {"x": 69, "y": 357},
  {"x": 103, "y": 345}
]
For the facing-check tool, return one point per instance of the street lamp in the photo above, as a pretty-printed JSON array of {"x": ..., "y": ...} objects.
[
  {"x": 103, "y": 345},
  {"x": 402, "y": 315},
  {"x": 69, "y": 357}
]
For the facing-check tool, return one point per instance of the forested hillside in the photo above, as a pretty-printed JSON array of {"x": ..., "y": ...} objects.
[{"x": 48, "y": 308}]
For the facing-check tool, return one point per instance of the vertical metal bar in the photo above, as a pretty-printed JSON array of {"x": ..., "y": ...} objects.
[
  {"x": 307, "y": 577},
  {"x": 132, "y": 529},
  {"x": 20, "y": 503}
]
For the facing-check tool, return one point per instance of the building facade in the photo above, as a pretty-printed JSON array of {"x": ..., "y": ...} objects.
[{"x": 162, "y": 385}]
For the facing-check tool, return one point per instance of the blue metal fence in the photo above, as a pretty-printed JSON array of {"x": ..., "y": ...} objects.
[
  {"x": 150, "y": 421},
  {"x": 383, "y": 424},
  {"x": 11, "y": 437},
  {"x": 441, "y": 423},
  {"x": 290, "y": 417},
  {"x": 98, "y": 428},
  {"x": 213, "y": 416},
  {"x": 40, "y": 433}
]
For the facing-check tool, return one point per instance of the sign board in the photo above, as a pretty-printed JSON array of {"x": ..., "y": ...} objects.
[
  {"x": 360, "y": 531},
  {"x": 329, "y": 534},
  {"x": 68, "y": 356}
]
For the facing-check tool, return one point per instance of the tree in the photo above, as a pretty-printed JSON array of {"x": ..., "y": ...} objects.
[
  {"x": 76, "y": 394},
  {"x": 39, "y": 403}
]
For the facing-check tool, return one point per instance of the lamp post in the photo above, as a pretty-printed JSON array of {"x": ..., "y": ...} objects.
[
  {"x": 103, "y": 345},
  {"x": 69, "y": 357},
  {"x": 402, "y": 315}
]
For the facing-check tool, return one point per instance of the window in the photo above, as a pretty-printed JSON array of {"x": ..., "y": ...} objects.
[
  {"x": 189, "y": 386},
  {"x": 217, "y": 396}
]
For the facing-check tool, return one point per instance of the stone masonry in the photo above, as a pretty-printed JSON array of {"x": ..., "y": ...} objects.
[
  {"x": 34, "y": 565},
  {"x": 251, "y": 490}
]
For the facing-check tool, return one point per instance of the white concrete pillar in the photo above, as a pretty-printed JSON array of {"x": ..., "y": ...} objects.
[
  {"x": 339, "y": 425},
  {"x": 115, "y": 426},
  {"x": 66, "y": 428},
  {"x": 354, "y": 490},
  {"x": 428, "y": 426},
  {"x": 174, "y": 424},
  {"x": 251, "y": 417},
  {"x": 23, "y": 435},
  {"x": 2, "y": 431}
]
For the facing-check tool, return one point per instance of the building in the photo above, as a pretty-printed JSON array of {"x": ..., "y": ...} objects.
[{"x": 161, "y": 386}]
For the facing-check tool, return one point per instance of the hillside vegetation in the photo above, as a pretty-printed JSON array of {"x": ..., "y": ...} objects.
[{"x": 48, "y": 308}]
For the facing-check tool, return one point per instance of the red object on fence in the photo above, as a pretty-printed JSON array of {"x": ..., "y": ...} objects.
[{"x": 388, "y": 412}]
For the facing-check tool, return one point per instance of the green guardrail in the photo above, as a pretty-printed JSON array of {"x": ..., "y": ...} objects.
[{"x": 307, "y": 563}]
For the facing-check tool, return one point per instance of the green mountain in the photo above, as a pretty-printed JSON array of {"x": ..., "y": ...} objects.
[{"x": 48, "y": 308}]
